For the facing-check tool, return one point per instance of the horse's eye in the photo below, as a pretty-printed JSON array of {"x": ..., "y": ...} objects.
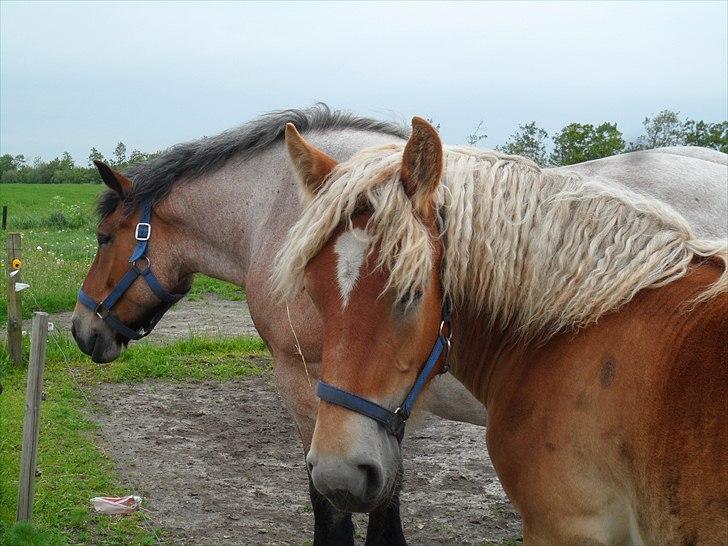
[
  {"x": 103, "y": 239},
  {"x": 410, "y": 299}
]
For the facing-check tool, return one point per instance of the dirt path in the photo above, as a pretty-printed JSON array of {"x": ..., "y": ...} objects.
[
  {"x": 220, "y": 463},
  {"x": 210, "y": 316}
]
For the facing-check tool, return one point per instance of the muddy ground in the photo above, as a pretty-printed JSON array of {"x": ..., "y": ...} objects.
[{"x": 221, "y": 462}]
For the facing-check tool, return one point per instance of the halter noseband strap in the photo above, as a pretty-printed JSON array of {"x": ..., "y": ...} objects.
[
  {"x": 142, "y": 233},
  {"x": 394, "y": 421}
]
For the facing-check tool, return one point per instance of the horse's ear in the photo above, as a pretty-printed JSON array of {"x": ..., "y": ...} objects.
[
  {"x": 311, "y": 164},
  {"x": 422, "y": 164},
  {"x": 115, "y": 181}
]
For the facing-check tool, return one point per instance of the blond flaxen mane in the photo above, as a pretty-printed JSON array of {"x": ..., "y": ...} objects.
[{"x": 536, "y": 252}]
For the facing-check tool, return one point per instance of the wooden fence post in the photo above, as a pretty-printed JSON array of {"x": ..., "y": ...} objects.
[
  {"x": 15, "y": 311},
  {"x": 31, "y": 424}
]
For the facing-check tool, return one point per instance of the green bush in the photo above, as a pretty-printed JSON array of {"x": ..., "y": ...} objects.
[{"x": 62, "y": 216}]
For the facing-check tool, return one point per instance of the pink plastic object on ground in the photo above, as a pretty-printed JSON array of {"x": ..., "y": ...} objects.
[{"x": 117, "y": 505}]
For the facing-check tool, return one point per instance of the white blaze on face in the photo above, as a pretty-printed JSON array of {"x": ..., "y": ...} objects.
[{"x": 351, "y": 250}]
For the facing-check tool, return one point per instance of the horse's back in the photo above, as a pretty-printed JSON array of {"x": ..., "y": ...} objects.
[
  {"x": 697, "y": 152},
  {"x": 693, "y": 180}
]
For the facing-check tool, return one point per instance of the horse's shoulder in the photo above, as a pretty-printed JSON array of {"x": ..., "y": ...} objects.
[
  {"x": 667, "y": 326},
  {"x": 697, "y": 339},
  {"x": 675, "y": 298}
]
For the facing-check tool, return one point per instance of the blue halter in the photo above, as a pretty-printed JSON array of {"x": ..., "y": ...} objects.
[
  {"x": 394, "y": 421},
  {"x": 103, "y": 310}
]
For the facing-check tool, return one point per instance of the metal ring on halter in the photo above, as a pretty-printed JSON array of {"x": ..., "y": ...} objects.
[
  {"x": 442, "y": 328},
  {"x": 149, "y": 264},
  {"x": 448, "y": 345},
  {"x": 446, "y": 364}
]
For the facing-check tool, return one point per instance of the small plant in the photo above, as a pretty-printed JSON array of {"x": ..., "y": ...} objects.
[{"x": 479, "y": 134}]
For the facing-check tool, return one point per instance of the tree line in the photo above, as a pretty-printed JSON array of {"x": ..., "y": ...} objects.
[
  {"x": 578, "y": 142},
  {"x": 63, "y": 170},
  {"x": 575, "y": 143}
]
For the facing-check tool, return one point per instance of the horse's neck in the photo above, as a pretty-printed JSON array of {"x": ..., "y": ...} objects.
[
  {"x": 232, "y": 222},
  {"x": 219, "y": 217},
  {"x": 477, "y": 349}
]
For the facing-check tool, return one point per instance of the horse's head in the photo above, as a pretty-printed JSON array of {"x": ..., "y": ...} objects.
[
  {"x": 377, "y": 332},
  {"x": 115, "y": 303}
]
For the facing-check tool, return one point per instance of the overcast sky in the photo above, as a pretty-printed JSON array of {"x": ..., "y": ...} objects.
[{"x": 77, "y": 75}]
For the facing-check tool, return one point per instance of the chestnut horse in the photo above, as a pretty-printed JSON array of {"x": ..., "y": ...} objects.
[{"x": 589, "y": 320}]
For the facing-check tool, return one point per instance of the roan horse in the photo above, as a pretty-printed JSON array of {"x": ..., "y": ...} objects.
[
  {"x": 222, "y": 207},
  {"x": 590, "y": 321}
]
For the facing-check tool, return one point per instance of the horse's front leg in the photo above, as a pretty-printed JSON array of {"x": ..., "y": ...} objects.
[
  {"x": 331, "y": 526},
  {"x": 385, "y": 526}
]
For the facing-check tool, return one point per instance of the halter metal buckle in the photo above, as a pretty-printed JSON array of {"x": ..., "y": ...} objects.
[
  {"x": 143, "y": 231},
  {"x": 102, "y": 308},
  {"x": 401, "y": 417}
]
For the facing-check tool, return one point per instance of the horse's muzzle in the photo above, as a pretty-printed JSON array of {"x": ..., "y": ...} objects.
[
  {"x": 352, "y": 486},
  {"x": 98, "y": 343}
]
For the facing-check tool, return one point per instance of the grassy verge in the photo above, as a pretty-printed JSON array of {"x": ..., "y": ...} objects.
[
  {"x": 203, "y": 285},
  {"x": 74, "y": 470},
  {"x": 57, "y": 224},
  {"x": 50, "y": 206}
]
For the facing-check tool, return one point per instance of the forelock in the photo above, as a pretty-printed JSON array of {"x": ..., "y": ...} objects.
[
  {"x": 106, "y": 203},
  {"x": 369, "y": 182}
]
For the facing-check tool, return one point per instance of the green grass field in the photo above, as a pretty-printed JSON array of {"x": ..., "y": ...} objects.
[
  {"x": 57, "y": 223},
  {"x": 50, "y": 205}
]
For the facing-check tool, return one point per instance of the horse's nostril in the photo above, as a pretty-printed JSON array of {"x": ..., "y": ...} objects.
[
  {"x": 310, "y": 467},
  {"x": 373, "y": 475}
]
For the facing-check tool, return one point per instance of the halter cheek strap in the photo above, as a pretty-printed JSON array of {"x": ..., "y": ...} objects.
[
  {"x": 394, "y": 421},
  {"x": 142, "y": 233}
]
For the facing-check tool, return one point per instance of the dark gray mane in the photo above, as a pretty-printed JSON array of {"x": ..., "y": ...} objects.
[{"x": 189, "y": 160}]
